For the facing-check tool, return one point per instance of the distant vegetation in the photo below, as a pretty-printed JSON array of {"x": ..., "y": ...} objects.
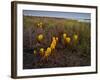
[{"x": 55, "y": 42}]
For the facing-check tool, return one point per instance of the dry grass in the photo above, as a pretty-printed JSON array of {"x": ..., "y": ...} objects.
[{"x": 73, "y": 50}]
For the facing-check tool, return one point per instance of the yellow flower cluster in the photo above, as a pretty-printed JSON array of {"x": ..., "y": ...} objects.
[
  {"x": 64, "y": 35},
  {"x": 52, "y": 46},
  {"x": 66, "y": 38},
  {"x": 41, "y": 51},
  {"x": 75, "y": 36},
  {"x": 48, "y": 51},
  {"x": 40, "y": 37},
  {"x": 40, "y": 24},
  {"x": 45, "y": 53}
]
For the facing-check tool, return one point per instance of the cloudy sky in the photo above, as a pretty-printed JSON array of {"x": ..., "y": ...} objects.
[{"x": 69, "y": 15}]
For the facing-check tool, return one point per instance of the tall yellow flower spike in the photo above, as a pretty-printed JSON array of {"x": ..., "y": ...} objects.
[
  {"x": 75, "y": 36},
  {"x": 48, "y": 52},
  {"x": 54, "y": 42},
  {"x": 52, "y": 46},
  {"x": 40, "y": 37},
  {"x": 68, "y": 39}
]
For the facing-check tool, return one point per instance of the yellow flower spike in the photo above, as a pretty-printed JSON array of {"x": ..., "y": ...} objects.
[
  {"x": 54, "y": 42},
  {"x": 75, "y": 36},
  {"x": 48, "y": 52},
  {"x": 34, "y": 52},
  {"x": 40, "y": 37},
  {"x": 56, "y": 38},
  {"x": 53, "y": 38},
  {"x": 52, "y": 46},
  {"x": 68, "y": 39},
  {"x": 64, "y": 35}
]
